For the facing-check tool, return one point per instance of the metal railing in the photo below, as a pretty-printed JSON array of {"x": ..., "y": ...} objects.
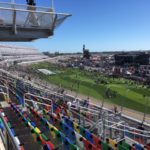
[
  {"x": 113, "y": 124},
  {"x": 8, "y": 139},
  {"x": 24, "y": 16}
]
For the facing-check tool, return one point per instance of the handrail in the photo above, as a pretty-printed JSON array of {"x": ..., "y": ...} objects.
[
  {"x": 87, "y": 109},
  {"x": 23, "y": 10},
  {"x": 124, "y": 130},
  {"x": 129, "y": 127},
  {"x": 23, "y": 5},
  {"x": 82, "y": 116},
  {"x": 26, "y": 94},
  {"x": 43, "y": 98},
  {"x": 14, "y": 143},
  {"x": 29, "y": 100}
]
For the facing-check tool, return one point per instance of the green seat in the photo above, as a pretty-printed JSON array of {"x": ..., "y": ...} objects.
[
  {"x": 74, "y": 147},
  {"x": 105, "y": 146},
  {"x": 82, "y": 131},
  {"x": 58, "y": 135},
  {"x": 126, "y": 145},
  {"x": 44, "y": 137},
  {"x": 120, "y": 147}
]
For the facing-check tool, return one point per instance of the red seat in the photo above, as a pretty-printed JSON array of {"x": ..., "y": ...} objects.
[
  {"x": 97, "y": 142},
  {"x": 88, "y": 145}
]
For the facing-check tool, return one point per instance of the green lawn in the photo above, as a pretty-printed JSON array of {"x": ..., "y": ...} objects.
[{"x": 128, "y": 92}]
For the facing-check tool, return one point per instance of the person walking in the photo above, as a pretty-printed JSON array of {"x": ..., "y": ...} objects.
[
  {"x": 32, "y": 18},
  {"x": 115, "y": 110}
]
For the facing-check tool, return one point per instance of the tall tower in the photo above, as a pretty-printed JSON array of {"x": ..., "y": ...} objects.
[
  {"x": 83, "y": 48},
  {"x": 86, "y": 53}
]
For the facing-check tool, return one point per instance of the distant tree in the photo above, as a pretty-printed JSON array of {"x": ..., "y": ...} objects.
[
  {"x": 48, "y": 54},
  {"x": 56, "y": 53}
]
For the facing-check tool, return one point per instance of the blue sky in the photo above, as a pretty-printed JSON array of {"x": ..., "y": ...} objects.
[{"x": 102, "y": 25}]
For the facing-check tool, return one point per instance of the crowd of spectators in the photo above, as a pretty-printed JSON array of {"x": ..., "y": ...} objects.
[{"x": 105, "y": 64}]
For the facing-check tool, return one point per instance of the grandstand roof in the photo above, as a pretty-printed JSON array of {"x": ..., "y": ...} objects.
[{"x": 16, "y": 50}]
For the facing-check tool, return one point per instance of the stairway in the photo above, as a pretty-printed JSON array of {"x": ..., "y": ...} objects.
[{"x": 21, "y": 131}]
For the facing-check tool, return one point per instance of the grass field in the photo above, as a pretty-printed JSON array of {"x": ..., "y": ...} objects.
[{"x": 129, "y": 93}]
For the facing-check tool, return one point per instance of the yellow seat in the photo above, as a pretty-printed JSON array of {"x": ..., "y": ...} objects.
[
  {"x": 113, "y": 144},
  {"x": 37, "y": 130},
  {"x": 76, "y": 127}
]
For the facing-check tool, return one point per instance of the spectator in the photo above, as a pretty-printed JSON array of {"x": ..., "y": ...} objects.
[
  {"x": 29, "y": 78},
  {"x": 115, "y": 110},
  {"x": 76, "y": 103},
  {"x": 1, "y": 21},
  {"x": 140, "y": 127},
  {"x": 86, "y": 103},
  {"x": 69, "y": 104},
  {"x": 31, "y": 2},
  {"x": 32, "y": 17}
]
